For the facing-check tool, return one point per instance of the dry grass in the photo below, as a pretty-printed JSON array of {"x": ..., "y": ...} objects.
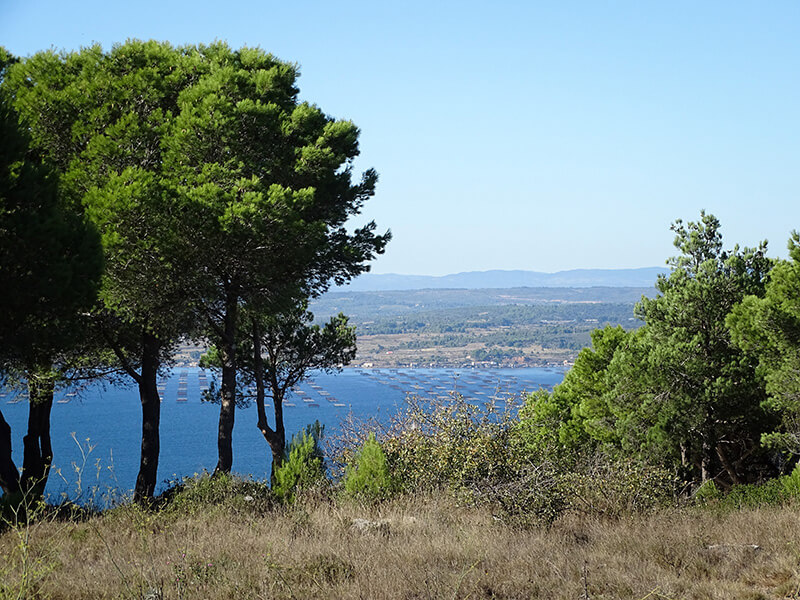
[{"x": 411, "y": 549}]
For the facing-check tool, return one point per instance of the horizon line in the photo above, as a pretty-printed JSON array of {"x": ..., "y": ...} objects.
[{"x": 394, "y": 273}]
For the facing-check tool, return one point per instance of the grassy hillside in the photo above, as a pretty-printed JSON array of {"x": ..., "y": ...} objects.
[{"x": 242, "y": 546}]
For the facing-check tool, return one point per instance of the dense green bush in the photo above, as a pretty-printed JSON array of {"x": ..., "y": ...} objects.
[
  {"x": 791, "y": 482},
  {"x": 367, "y": 476},
  {"x": 772, "y": 492},
  {"x": 302, "y": 469}
]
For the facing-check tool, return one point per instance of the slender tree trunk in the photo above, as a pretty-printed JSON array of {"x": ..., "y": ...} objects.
[
  {"x": 151, "y": 418},
  {"x": 276, "y": 438},
  {"x": 278, "y": 443},
  {"x": 227, "y": 409},
  {"x": 9, "y": 475},
  {"x": 727, "y": 465},
  {"x": 705, "y": 461},
  {"x": 38, "y": 451},
  {"x": 684, "y": 456}
]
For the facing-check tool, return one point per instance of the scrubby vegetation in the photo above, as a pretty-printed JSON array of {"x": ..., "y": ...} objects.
[{"x": 443, "y": 504}]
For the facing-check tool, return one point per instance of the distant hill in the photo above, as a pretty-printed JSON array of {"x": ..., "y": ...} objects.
[
  {"x": 533, "y": 326},
  {"x": 576, "y": 278},
  {"x": 368, "y": 305}
]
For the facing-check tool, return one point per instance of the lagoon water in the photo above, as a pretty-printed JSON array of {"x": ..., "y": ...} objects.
[{"x": 96, "y": 432}]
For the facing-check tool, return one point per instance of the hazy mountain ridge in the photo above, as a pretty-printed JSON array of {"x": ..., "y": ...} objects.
[
  {"x": 367, "y": 305},
  {"x": 575, "y": 278}
]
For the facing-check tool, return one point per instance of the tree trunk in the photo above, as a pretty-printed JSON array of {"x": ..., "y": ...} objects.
[
  {"x": 151, "y": 418},
  {"x": 227, "y": 409},
  {"x": 278, "y": 443},
  {"x": 705, "y": 461},
  {"x": 38, "y": 451},
  {"x": 276, "y": 438},
  {"x": 9, "y": 475},
  {"x": 726, "y": 464}
]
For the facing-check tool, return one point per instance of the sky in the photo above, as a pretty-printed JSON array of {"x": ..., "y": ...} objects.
[{"x": 542, "y": 136}]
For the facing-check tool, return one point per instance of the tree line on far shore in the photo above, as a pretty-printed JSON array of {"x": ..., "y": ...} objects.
[{"x": 150, "y": 194}]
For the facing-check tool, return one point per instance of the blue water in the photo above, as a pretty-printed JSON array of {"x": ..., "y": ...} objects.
[{"x": 96, "y": 432}]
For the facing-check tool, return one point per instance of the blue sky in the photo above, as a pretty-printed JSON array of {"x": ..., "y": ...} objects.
[{"x": 520, "y": 135}]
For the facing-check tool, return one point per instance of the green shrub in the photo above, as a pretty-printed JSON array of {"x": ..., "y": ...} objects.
[
  {"x": 614, "y": 487},
  {"x": 315, "y": 431},
  {"x": 205, "y": 492},
  {"x": 301, "y": 470},
  {"x": 476, "y": 452},
  {"x": 449, "y": 444},
  {"x": 773, "y": 492},
  {"x": 791, "y": 482},
  {"x": 541, "y": 490},
  {"x": 367, "y": 476},
  {"x": 769, "y": 493}
]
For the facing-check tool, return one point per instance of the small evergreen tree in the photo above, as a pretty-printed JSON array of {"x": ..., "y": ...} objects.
[
  {"x": 302, "y": 467},
  {"x": 367, "y": 476}
]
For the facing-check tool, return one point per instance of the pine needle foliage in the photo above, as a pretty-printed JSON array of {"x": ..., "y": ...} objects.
[
  {"x": 301, "y": 470},
  {"x": 367, "y": 476}
]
